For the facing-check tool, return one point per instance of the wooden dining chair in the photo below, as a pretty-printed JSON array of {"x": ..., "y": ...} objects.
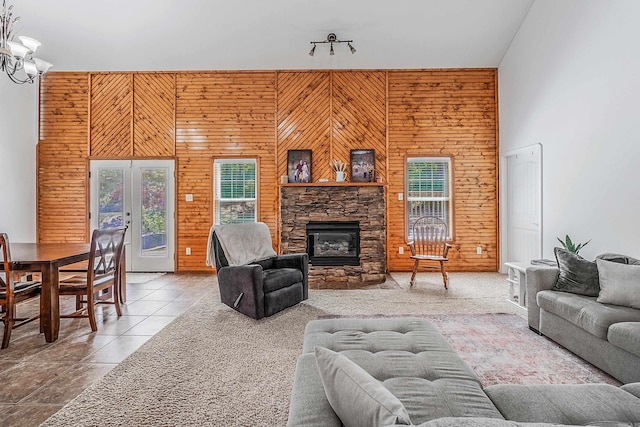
[
  {"x": 430, "y": 245},
  {"x": 12, "y": 292},
  {"x": 103, "y": 273}
]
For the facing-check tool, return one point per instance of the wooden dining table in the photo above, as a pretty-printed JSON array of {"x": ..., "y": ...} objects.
[{"x": 47, "y": 258}]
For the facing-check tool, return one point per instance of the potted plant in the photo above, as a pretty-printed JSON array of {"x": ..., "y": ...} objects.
[{"x": 570, "y": 246}]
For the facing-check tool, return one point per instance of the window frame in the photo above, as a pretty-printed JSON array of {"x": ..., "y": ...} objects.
[
  {"x": 451, "y": 217},
  {"x": 216, "y": 184}
]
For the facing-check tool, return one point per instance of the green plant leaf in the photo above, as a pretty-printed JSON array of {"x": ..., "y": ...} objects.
[
  {"x": 570, "y": 246},
  {"x": 569, "y": 242}
]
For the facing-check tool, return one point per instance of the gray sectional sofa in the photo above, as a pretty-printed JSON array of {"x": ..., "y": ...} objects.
[
  {"x": 419, "y": 379},
  {"x": 605, "y": 335}
]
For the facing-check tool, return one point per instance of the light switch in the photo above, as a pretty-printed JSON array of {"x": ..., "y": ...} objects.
[
  {"x": 189, "y": 198},
  {"x": 400, "y": 196}
]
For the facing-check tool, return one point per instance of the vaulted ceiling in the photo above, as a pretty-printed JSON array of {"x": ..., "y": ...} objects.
[{"x": 269, "y": 34}]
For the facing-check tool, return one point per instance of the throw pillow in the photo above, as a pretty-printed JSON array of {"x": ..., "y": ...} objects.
[
  {"x": 356, "y": 397},
  {"x": 619, "y": 283},
  {"x": 624, "y": 259},
  {"x": 577, "y": 275}
]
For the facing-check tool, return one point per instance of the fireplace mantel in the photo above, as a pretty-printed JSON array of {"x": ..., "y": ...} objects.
[
  {"x": 330, "y": 201},
  {"x": 334, "y": 184}
]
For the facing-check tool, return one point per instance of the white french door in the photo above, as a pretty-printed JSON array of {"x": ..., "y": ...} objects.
[
  {"x": 522, "y": 204},
  {"x": 139, "y": 194}
]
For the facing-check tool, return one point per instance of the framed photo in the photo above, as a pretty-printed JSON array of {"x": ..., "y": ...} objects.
[
  {"x": 363, "y": 165},
  {"x": 299, "y": 166}
]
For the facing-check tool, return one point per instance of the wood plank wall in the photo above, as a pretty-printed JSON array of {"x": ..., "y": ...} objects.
[
  {"x": 111, "y": 115},
  {"x": 154, "y": 115},
  {"x": 195, "y": 117},
  {"x": 359, "y": 116},
  {"x": 304, "y": 119},
  {"x": 447, "y": 113},
  {"x": 62, "y": 151},
  {"x": 221, "y": 114},
  {"x": 331, "y": 113}
]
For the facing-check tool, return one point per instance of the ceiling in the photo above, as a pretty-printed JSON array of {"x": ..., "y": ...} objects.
[{"x": 127, "y": 35}]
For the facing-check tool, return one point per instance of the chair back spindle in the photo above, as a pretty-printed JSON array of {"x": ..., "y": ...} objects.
[
  {"x": 102, "y": 274},
  {"x": 430, "y": 236},
  {"x": 11, "y": 293},
  {"x": 429, "y": 244}
]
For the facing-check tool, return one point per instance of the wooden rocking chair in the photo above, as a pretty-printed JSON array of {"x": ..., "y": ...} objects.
[{"x": 430, "y": 244}]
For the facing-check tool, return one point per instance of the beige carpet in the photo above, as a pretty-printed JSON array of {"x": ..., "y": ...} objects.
[{"x": 213, "y": 366}]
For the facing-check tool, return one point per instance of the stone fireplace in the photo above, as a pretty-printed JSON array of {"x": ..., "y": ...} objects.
[
  {"x": 333, "y": 242},
  {"x": 341, "y": 226}
]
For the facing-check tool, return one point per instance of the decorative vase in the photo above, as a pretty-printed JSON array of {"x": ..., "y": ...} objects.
[{"x": 339, "y": 176}]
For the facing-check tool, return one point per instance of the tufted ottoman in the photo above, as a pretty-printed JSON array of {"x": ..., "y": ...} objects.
[{"x": 408, "y": 355}]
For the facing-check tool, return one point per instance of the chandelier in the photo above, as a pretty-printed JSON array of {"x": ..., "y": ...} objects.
[
  {"x": 332, "y": 39},
  {"x": 16, "y": 58}
]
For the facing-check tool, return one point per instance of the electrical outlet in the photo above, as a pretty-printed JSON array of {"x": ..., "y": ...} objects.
[
  {"x": 189, "y": 198},
  {"x": 188, "y": 251},
  {"x": 400, "y": 250},
  {"x": 479, "y": 250}
]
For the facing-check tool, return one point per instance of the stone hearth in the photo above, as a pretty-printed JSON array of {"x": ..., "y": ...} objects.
[{"x": 301, "y": 203}]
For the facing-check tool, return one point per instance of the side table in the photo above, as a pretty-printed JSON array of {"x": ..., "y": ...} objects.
[{"x": 517, "y": 278}]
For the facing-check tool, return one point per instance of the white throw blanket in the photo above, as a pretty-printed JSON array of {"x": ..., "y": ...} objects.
[{"x": 242, "y": 243}]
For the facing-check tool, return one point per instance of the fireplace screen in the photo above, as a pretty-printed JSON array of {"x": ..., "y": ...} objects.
[{"x": 333, "y": 242}]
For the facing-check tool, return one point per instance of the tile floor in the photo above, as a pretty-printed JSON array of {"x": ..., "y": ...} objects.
[{"x": 37, "y": 378}]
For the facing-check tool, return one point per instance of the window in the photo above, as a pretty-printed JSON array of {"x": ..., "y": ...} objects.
[
  {"x": 428, "y": 190},
  {"x": 235, "y": 190}
]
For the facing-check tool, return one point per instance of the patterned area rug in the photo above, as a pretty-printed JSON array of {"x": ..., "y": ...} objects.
[
  {"x": 213, "y": 366},
  {"x": 502, "y": 349}
]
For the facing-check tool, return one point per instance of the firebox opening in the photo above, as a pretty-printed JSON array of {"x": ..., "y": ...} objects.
[{"x": 333, "y": 242}]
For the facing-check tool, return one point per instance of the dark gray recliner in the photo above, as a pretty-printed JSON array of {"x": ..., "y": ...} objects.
[{"x": 265, "y": 287}]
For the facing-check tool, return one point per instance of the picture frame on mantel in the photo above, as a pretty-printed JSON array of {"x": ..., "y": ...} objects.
[
  {"x": 363, "y": 166},
  {"x": 299, "y": 166}
]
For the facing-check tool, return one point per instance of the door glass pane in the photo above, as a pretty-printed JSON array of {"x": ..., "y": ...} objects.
[
  {"x": 111, "y": 193},
  {"x": 153, "y": 238}
]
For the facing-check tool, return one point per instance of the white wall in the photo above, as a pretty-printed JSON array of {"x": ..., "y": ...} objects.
[
  {"x": 571, "y": 81},
  {"x": 18, "y": 137}
]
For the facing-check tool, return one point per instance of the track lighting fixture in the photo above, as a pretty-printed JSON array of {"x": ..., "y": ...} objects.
[{"x": 331, "y": 39}]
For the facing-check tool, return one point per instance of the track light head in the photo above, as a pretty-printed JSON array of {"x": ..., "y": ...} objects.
[{"x": 331, "y": 39}]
